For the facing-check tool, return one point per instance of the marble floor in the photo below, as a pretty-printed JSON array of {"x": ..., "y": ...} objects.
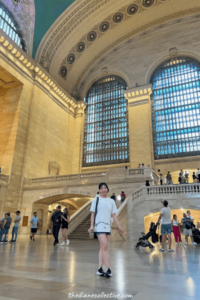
[{"x": 39, "y": 271}]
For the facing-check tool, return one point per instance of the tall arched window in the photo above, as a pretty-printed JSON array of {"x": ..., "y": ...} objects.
[
  {"x": 10, "y": 27},
  {"x": 176, "y": 108},
  {"x": 106, "y": 123}
]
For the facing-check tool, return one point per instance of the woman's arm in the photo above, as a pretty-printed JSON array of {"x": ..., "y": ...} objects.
[
  {"x": 92, "y": 222},
  {"x": 117, "y": 223}
]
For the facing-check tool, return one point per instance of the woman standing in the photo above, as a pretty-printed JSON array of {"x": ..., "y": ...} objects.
[
  {"x": 106, "y": 209},
  {"x": 64, "y": 226},
  {"x": 176, "y": 230}
]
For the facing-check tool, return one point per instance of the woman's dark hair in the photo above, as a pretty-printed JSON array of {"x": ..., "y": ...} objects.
[
  {"x": 174, "y": 216},
  {"x": 67, "y": 212},
  {"x": 103, "y": 183}
]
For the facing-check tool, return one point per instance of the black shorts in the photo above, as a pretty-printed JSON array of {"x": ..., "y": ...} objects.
[
  {"x": 64, "y": 226},
  {"x": 33, "y": 230}
]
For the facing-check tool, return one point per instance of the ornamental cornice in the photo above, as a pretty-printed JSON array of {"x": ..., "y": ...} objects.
[
  {"x": 36, "y": 74},
  {"x": 138, "y": 92}
]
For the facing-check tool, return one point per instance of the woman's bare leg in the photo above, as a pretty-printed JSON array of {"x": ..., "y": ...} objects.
[
  {"x": 103, "y": 240},
  {"x": 63, "y": 234}
]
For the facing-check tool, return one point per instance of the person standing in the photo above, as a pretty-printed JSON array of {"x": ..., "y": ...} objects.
[
  {"x": 16, "y": 227},
  {"x": 34, "y": 225},
  {"x": 187, "y": 229},
  {"x": 161, "y": 179},
  {"x": 113, "y": 197},
  {"x": 139, "y": 166},
  {"x": 123, "y": 197},
  {"x": 166, "y": 227},
  {"x": 56, "y": 219},
  {"x": 176, "y": 230},
  {"x": 5, "y": 227},
  {"x": 64, "y": 225},
  {"x": 194, "y": 177},
  {"x": 198, "y": 174},
  {"x": 169, "y": 177},
  {"x": 106, "y": 208}
]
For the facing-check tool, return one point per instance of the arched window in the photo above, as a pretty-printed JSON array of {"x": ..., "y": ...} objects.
[
  {"x": 10, "y": 27},
  {"x": 106, "y": 123},
  {"x": 176, "y": 108}
]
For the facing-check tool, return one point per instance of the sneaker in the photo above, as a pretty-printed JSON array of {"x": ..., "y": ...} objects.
[
  {"x": 67, "y": 243},
  {"x": 14, "y": 241},
  {"x": 108, "y": 273},
  {"x": 31, "y": 238},
  {"x": 54, "y": 243},
  {"x": 180, "y": 243},
  {"x": 176, "y": 243},
  {"x": 161, "y": 250},
  {"x": 5, "y": 242},
  {"x": 194, "y": 244},
  {"x": 63, "y": 244},
  {"x": 170, "y": 250},
  {"x": 186, "y": 243},
  {"x": 100, "y": 272},
  {"x": 11, "y": 241}
]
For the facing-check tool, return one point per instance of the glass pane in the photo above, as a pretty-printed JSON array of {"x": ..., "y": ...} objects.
[
  {"x": 176, "y": 108},
  {"x": 106, "y": 123}
]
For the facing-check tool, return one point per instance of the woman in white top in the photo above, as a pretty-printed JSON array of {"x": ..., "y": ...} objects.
[
  {"x": 105, "y": 210},
  {"x": 176, "y": 230}
]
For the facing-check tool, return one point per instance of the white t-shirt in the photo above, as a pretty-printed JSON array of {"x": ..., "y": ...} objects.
[
  {"x": 198, "y": 172},
  {"x": 175, "y": 223},
  {"x": 106, "y": 207},
  {"x": 166, "y": 218}
]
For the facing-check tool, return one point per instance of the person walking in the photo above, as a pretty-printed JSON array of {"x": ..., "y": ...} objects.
[
  {"x": 166, "y": 227},
  {"x": 5, "y": 228},
  {"x": 64, "y": 226},
  {"x": 16, "y": 227},
  {"x": 176, "y": 230},
  {"x": 123, "y": 197},
  {"x": 105, "y": 208},
  {"x": 113, "y": 197},
  {"x": 34, "y": 225},
  {"x": 187, "y": 229},
  {"x": 56, "y": 219}
]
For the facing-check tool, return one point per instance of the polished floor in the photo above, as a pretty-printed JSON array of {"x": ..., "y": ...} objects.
[{"x": 39, "y": 271}]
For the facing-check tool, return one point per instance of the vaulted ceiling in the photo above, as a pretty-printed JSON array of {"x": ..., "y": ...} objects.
[{"x": 46, "y": 13}]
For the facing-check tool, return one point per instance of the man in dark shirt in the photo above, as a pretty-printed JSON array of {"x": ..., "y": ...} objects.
[
  {"x": 5, "y": 227},
  {"x": 113, "y": 197},
  {"x": 56, "y": 219}
]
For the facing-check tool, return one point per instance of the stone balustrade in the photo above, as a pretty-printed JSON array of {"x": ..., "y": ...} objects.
[
  {"x": 193, "y": 188},
  {"x": 113, "y": 174}
]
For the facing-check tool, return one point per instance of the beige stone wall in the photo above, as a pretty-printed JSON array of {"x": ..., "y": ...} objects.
[{"x": 9, "y": 107}]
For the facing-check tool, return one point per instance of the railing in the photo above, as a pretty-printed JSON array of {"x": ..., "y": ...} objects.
[
  {"x": 193, "y": 188},
  {"x": 156, "y": 177},
  {"x": 4, "y": 178},
  {"x": 79, "y": 216},
  {"x": 92, "y": 175},
  {"x": 138, "y": 171},
  {"x": 67, "y": 177}
]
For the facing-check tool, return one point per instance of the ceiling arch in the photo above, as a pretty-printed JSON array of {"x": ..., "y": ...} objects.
[
  {"x": 99, "y": 34},
  {"x": 24, "y": 13}
]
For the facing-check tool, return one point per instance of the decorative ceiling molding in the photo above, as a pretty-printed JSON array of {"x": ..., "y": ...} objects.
[
  {"x": 35, "y": 73},
  {"x": 135, "y": 34},
  {"x": 56, "y": 37}
]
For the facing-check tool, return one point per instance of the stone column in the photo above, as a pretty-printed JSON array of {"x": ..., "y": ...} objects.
[{"x": 140, "y": 126}]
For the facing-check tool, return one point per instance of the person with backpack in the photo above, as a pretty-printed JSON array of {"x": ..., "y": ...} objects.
[
  {"x": 102, "y": 210},
  {"x": 187, "y": 229}
]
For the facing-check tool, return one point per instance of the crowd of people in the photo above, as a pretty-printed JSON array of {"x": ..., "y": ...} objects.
[
  {"x": 183, "y": 177},
  {"x": 168, "y": 226},
  {"x": 5, "y": 224}
]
